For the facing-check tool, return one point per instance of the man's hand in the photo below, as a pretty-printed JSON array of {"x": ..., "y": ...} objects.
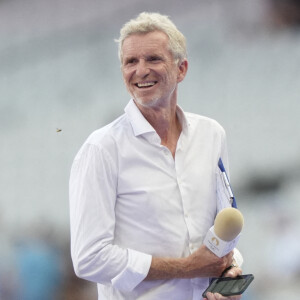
[
  {"x": 233, "y": 272},
  {"x": 216, "y": 296},
  {"x": 204, "y": 263}
]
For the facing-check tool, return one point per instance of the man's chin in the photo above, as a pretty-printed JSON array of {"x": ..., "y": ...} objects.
[{"x": 146, "y": 102}]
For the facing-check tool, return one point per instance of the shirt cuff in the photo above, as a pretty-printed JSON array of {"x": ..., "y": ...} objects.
[{"x": 136, "y": 270}]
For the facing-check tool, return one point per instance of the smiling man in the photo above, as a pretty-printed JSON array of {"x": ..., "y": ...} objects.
[
  {"x": 145, "y": 189},
  {"x": 149, "y": 70},
  {"x": 151, "y": 76}
]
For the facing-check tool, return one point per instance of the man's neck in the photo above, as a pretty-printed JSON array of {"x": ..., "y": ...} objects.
[{"x": 165, "y": 122}]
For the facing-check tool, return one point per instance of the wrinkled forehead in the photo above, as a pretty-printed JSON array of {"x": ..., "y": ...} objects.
[{"x": 142, "y": 43}]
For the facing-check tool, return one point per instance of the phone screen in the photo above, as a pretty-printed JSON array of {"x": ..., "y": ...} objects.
[{"x": 228, "y": 286}]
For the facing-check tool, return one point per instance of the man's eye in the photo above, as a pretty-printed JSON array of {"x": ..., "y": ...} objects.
[
  {"x": 154, "y": 58},
  {"x": 130, "y": 61}
]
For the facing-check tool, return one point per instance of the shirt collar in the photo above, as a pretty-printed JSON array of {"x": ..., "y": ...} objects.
[
  {"x": 141, "y": 126},
  {"x": 138, "y": 122},
  {"x": 182, "y": 119}
]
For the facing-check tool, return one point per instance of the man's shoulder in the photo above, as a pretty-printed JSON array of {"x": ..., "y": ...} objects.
[
  {"x": 105, "y": 139},
  {"x": 110, "y": 132},
  {"x": 203, "y": 121}
]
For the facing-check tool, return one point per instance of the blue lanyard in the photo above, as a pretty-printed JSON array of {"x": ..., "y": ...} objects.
[{"x": 227, "y": 183}]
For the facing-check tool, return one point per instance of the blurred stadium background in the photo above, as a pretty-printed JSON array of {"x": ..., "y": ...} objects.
[{"x": 60, "y": 80}]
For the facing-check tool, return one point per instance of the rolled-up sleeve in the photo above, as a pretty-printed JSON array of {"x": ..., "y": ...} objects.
[{"x": 92, "y": 195}]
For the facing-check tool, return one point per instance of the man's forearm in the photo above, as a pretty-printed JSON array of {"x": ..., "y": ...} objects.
[
  {"x": 202, "y": 263},
  {"x": 167, "y": 268}
]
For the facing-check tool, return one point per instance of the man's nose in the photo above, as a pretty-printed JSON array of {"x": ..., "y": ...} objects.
[{"x": 142, "y": 69}]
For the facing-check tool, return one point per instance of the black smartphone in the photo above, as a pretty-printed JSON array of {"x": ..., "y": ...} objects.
[{"x": 228, "y": 286}]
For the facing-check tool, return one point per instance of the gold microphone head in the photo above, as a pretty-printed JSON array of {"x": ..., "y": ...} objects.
[{"x": 228, "y": 224}]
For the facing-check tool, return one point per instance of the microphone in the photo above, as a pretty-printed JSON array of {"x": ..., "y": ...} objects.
[{"x": 225, "y": 234}]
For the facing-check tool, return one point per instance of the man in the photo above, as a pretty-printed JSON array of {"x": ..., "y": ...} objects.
[{"x": 145, "y": 189}]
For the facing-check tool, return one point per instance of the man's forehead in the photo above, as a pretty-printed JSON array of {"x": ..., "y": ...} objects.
[
  {"x": 156, "y": 42},
  {"x": 150, "y": 37}
]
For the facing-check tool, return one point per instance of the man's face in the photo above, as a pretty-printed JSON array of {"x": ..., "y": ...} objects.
[{"x": 149, "y": 71}]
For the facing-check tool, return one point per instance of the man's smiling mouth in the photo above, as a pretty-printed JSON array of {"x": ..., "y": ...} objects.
[{"x": 145, "y": 84}]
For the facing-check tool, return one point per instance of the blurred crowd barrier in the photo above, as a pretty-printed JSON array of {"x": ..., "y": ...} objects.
[{"x": 36, "y": 265}]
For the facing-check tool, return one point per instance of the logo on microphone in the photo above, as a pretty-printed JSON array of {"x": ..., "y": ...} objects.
[{"x": 215, "y": 241}]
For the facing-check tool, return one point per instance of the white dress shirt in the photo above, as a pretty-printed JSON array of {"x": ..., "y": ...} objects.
[{"x": 131, "y": 200}]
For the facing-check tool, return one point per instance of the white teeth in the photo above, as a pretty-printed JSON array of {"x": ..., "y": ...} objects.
[{"x": 144, "y": 84}]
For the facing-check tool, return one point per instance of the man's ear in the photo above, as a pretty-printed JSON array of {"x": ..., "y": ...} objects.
[{"x": 182, "y": 70}]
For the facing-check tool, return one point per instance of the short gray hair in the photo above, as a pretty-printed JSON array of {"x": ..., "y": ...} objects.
[{"x": 149, "y": 22}]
